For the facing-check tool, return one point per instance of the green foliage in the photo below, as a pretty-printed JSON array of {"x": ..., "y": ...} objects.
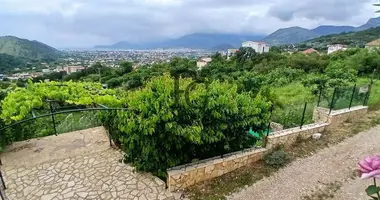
[
  {"x": 19, "y": 102},
  {"x": 353, "y": 39},
  {"x": 277, "y": 158},
  {"x": 8, "y": 63},
  {"x": 125, "y": 68},
  {"x": 159, "y": 131}
]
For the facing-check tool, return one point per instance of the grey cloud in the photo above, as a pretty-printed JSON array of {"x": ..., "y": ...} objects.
[
  {"x": 108, "y": 21},
  {"x": 336, "y": 10}
]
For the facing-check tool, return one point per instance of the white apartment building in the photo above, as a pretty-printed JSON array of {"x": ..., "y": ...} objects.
[
  {"x": 336, "y": 47},
  {"x": 259, "y": 47},
  {"x": 72, "y": 69}
]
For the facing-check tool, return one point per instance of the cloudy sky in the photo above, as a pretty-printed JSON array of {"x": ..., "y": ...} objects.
[{"x": 84, "y": 23}]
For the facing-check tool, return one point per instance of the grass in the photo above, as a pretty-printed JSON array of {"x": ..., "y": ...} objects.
[{"x": 234, "y": 181}]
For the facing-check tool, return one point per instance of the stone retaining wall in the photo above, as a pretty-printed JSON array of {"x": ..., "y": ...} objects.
[
  {"x": 187, "y": 175},
  {"x": 338, "y": 117},
  {"x": 320, "y": 115}
]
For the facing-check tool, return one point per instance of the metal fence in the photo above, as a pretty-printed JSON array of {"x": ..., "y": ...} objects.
[
  {"x": 344, "y": 97},
  {"x": 293, "y": 115}
]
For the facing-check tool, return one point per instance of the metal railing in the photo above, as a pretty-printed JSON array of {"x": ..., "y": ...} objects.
[{"x": 52, "y": 113}]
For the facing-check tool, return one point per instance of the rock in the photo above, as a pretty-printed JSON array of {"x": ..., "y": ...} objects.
[{"x": 316, "y": 136}]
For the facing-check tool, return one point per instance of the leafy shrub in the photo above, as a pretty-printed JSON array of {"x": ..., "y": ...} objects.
[
  {"x": 159, "y": 131},
  {"x": 277, "y": 158}
]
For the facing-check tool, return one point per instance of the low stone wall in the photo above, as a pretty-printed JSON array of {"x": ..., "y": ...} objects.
[
  {"x": 289, "y": 136},
  {"x": 187, "y": 175},
  {"x": 320, "y": 115},
  {"x": 338, "y": 117},
  {"x": 276, "y": 126}
]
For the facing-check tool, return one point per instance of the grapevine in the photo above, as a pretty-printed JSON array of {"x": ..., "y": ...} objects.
[{"x": 21, "y": 101}]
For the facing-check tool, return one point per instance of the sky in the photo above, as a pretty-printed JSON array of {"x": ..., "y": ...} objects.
[{"x": 86, "y": 23}]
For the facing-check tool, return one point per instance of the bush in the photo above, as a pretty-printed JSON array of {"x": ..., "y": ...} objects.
[
  {"x": 277, "y": 159},
  {"x": 159, "y": 131}
]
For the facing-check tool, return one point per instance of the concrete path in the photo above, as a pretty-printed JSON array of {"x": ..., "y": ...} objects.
[
  {"x": 78, "y": 165},
  {"x": 329, "y": 174}
]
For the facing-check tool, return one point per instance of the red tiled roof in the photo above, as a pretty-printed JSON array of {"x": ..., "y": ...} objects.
[{"x": 311, "y": 50}]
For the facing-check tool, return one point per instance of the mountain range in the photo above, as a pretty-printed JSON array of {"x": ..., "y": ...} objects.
[
  {"x": 291, "y": 35},
  {"x": 295, "y": 35},
  {"x": 210, "y": 41}
]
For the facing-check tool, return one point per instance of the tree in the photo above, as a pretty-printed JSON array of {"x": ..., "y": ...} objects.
[
  {"x": 158, "y": 132},
  {"x": 125, "y": 67}
]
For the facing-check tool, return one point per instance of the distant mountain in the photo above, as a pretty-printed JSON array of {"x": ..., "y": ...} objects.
[
  {"x": 290, "y": 36},
  {"x": 372, "y": 23},
  {"x": 207, "y": 41},
  {"x": 328, "y": 29},
  {"x": 295, "y": 35},
  {"x": 24, "y": 48}
]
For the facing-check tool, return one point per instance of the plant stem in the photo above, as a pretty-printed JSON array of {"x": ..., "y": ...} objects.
[{"x": 374, "y": 182}]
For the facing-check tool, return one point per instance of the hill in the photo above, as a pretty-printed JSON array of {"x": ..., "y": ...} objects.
[
  {"x": 209, "y": 41},
  {"x": 355, "y": 39},
  {"x": 24, "y": 48},
  {"x": 372, "y": 23},
  {"x": 290, "y": 35}
]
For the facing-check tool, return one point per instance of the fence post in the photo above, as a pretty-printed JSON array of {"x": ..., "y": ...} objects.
[
  {"x": 303, "y": 115},
  {"x": 270, "y": 119},
  {"x": 319, "y": 98},
  {"x": 265, "y": 139},
  {"x": 332, "y": 100},
  {"x": 52, "y": 117},
  {"x": 352, "y": 97}
]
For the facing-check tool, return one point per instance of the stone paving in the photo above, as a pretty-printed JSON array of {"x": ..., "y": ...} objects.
[{"x": 92, "y": 175}]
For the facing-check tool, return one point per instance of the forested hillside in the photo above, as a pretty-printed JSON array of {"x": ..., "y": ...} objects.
[
  {"x": 353, "y": 39},
  {"x": 26, "y": 49},
  {"x": 8, "y": 63}
]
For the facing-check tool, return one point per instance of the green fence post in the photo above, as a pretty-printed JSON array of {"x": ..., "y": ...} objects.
[
  {"x": 270, "y": 118},
  {"x": 319, "y": 98},
  {"x": 332, "y": 101},
  {"x": 303, "y": 115},
  {"x": 52, "y": 117},
  {"x": 352, "y": 97},
  {"x": 367, "y": 96}
]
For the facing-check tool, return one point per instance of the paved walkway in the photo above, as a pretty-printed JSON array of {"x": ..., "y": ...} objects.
[
  {"x": 329, "y": 173},
  {"x": 78, "y": 165}
]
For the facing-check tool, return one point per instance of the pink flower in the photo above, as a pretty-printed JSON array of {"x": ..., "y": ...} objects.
[{"x": 370, "y": 167}]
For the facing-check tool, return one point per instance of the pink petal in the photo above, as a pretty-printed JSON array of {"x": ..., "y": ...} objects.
[
  {"x": 376, "y": 164},
  {"x": 372, "y": 174},
  {"x": 364, "y": 167}
]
